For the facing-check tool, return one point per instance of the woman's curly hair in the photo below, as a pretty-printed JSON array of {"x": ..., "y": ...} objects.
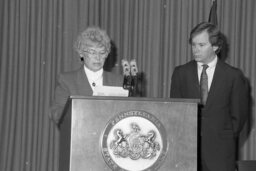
[{"x": 92, "y": 36}]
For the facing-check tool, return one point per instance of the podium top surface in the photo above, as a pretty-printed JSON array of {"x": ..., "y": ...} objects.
[{"x": 137, "y": 99}]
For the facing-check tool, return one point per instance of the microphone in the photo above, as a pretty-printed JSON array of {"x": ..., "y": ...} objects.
[
  {"x": 126, "y": 73},
  {"x": 130, "y": 71},
  {"x": 134, "y": 71}
]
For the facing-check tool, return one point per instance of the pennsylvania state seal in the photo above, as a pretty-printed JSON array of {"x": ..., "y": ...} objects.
[{"x": 134, "y": 141}]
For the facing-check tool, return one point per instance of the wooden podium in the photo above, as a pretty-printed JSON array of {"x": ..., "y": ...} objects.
[{"x": 120, "y": 133}]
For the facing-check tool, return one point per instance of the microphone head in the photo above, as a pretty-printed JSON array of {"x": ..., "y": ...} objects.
[
  {"x": 134, "y": 68},
  {"x": 126, "y": 67}
]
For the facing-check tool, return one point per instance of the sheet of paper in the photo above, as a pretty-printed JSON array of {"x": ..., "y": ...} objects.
[{"x": 110, "y": 91}]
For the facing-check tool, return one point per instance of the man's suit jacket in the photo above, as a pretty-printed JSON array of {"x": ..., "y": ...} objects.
[
  {"x": 76, "y": 83},
  {"x": 224, "y": 114}
]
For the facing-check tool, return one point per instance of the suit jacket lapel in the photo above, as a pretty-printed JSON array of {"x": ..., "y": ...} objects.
[
  {"x": 217, "y": 81},
  {"x": 106, "y": 79},
  {"x": 109, "y": 79},
  {"x": 195, "y": 87},
  {"x": 84, "y": 87}
]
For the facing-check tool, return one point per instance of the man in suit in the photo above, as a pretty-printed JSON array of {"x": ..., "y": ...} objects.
[
  {"x": 224, "y": 95},
  {"x": 93, "y": 46}
]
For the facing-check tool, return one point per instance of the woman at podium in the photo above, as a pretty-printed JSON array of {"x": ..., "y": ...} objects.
[{"x": 93, "y": 47}]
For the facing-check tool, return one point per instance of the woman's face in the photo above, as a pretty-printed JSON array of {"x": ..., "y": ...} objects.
[{"x": 94, "y": 57}]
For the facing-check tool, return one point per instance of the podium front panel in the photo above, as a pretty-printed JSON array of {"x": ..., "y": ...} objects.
[{"x": 88, "y": 119}]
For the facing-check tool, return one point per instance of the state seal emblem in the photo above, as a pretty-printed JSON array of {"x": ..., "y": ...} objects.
[{"x": 134, "y": 141}]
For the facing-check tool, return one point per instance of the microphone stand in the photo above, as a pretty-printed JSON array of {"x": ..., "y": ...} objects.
[{"x": 133, "y": 87}]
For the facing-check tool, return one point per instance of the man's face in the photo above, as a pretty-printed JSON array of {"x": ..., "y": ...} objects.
[
  {"x": 94, "y": 57},
  {"x": 202, "y": 49}
]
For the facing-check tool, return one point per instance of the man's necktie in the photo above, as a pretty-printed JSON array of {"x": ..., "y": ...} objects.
[{"x": 204, "y": 85}]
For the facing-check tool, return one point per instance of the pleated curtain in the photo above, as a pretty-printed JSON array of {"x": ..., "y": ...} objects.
[{"x": 36, "y": 44}]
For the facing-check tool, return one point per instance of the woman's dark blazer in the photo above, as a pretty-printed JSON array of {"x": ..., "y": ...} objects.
[{"x": 76, "y": 83}]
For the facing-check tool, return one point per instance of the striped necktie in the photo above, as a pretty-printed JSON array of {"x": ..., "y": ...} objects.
[{"x": 204, "y": 85}]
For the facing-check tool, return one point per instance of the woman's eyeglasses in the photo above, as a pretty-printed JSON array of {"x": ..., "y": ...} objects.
[{"x": 93, "y": 53}]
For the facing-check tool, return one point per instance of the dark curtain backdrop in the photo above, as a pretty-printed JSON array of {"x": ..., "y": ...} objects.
[{"x": 36, "y": 39}]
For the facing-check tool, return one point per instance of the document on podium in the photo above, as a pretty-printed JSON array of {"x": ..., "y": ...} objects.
[{"x": 110, "y": 91}]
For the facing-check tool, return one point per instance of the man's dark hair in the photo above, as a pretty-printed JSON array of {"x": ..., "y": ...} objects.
[{"x": 215, "y": 36}]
